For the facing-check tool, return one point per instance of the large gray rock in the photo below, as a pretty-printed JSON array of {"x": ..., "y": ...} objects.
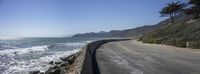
[
  {"x": 34, "y": 72},
  {"x": 64, "y": 64},
  {"x": 53, "y": 70}
]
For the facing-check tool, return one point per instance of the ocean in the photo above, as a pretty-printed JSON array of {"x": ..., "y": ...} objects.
[{"x": 22, "y": 55}]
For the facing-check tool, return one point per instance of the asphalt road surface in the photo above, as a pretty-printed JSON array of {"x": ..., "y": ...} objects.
[{"x": 132, "y": 57}]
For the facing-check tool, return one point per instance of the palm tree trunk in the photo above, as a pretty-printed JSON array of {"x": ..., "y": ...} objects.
[{"x": 172, "y": 18}]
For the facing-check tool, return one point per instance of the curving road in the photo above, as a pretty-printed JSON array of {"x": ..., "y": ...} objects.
[{"x": 132, "y": 57}]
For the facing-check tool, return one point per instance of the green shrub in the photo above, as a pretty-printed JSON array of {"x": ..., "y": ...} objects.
[
  {"x": 148, "y": 40},
  {"x": 157, "y": 41},
  {"x": 194, "y": 44},
  {"x": 181, "y": 44},
  {"x": 170, "y": 42}
]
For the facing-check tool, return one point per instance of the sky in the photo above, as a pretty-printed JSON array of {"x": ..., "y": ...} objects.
[{"x": 54, "y": 18}]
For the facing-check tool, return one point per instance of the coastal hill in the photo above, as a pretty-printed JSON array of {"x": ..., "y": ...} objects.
[
  {"x": 186, "y": 30},
  {"x": 183, "y": 31}
]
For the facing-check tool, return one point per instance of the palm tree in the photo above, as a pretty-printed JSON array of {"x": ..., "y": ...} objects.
[
  {"x": 171, "y": 10},
  {"x": 195, "y": 2},
  {"x": 194, "y": 8}
]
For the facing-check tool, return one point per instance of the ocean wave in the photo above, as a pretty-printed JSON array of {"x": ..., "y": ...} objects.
[
  {"x": 24, "y": 60},
  {"x": 80, "y": 43},
  {"x": 56, "y": 56},
  {"x": 24, "y": 66},
  {"x": 13, "y": 52},
  {"x": 4, "y": 47},
  {"x": 74, "y": 43}
]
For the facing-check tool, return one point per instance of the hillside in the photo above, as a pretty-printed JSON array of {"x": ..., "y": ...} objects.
[{"x": 178, "y": 34}]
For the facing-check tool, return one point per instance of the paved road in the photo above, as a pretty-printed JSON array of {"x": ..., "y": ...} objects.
[
  {"x": 132, "y": 57},
  {"x": 90, "y": 65}
]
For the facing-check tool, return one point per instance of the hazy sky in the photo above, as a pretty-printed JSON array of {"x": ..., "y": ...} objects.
[{"x": 26, "y": 18}]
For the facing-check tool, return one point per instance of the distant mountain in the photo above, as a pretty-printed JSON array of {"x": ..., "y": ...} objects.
[{"x": 134, "y": 32}]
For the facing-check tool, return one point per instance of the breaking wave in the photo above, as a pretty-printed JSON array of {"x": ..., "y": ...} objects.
[
  {"x": 24, "y": 66},
  {"x": 13, "y": 52},
  {"x": 17, "y": 60}
]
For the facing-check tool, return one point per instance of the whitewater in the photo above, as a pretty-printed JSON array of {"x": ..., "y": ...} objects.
[{"x": 20, "y": 56}]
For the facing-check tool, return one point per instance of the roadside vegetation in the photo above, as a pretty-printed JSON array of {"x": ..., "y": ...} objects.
[{"x": 184, "y": 26}]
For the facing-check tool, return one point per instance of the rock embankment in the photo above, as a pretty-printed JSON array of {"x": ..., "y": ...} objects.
[
  {"x": 69, "y": 65},
  {"x": 76, "y": 66}
]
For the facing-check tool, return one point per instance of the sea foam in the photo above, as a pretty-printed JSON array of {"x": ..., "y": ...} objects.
[
  {"x": 13, "y": 52},
  {"x": 41, "y": 64}
]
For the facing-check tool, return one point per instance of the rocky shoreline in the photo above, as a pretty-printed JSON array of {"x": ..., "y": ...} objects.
[{"x": 69, "y": 65}]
